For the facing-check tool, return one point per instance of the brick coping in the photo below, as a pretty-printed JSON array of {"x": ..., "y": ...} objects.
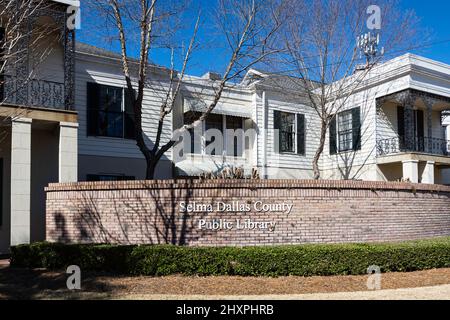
[{"x": 246, "y": 184}]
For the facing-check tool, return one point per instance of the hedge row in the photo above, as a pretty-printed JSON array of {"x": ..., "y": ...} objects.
[{"x": 299, "y": 260}]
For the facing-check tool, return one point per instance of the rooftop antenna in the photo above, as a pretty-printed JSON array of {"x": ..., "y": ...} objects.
[{"x": 368, "y": 44}]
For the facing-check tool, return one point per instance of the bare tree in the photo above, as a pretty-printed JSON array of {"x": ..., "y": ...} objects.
[
  {"x": 320, "y": 49},
  {"x": 247, "y": 28}
]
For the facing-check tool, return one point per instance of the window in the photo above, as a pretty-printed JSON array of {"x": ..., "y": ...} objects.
[
  {"x": 189, "y": 118},
  {"x": 291, "y": 132},
  {"x": 235, "y": 124},
  {"x": 345, "y": 131},
  {"x": 108, "y": 177},
  {"x": 214, "y": 121},
  {"x": 110, "y": 112},
  {"x": 287, "y": 132},
  {"x": 221, "y": 123}
]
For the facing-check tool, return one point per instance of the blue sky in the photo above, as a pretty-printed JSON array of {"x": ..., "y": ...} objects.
[{"x": 434, "y": 16}]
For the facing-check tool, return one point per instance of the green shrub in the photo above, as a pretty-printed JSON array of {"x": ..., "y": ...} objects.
[{"x": 298, "y": 260}]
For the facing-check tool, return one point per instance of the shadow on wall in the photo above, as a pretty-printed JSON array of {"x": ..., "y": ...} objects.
[
  {"x": 60, "y": 223},
  {"x": 154, "y": 218}
]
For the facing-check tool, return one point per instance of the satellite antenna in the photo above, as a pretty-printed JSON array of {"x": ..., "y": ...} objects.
[{"x": 368, "y": 45}]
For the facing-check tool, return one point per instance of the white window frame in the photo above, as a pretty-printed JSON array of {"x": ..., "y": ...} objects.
[
  {"x": 294, "y": 152},
  {"x": 225, "y": 141},
  {"x": 338, "y": 135}
]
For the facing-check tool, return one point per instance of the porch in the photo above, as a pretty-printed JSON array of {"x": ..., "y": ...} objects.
[
  {"x": 411, "y": 140},
  {"x": 38, "y": 124},
  {"x": 36, "y": 149}
]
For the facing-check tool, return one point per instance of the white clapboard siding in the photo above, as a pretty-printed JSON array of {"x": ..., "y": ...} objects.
[
  {"x": 115, "y": 147},
  {"x": 275, "y": 101}
]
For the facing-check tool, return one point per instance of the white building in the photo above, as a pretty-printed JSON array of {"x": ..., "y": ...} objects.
[
  {"x": 392, "y": 128},
  {"x": 390, "y": 148}
]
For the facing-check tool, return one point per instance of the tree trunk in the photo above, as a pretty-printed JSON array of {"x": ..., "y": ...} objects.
[
  {"x": 319, "y": 151},
  {"x": 151, "y": 167}
]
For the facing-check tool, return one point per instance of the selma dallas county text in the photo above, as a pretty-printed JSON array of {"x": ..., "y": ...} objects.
[{"x": 236, "y": 207}]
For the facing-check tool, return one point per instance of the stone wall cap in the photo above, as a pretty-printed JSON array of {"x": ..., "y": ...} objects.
[{"x": 246, "y": 184}]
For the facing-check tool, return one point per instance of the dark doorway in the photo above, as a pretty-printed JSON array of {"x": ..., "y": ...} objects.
[
  {"x": 1, "y": 191},
  {"x": 411, "y": 139}
]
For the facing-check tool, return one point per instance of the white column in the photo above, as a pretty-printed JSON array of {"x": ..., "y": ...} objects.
[
  {"x": 428, "y": 173},
  {"x": 411, "y": 170},
  {"x": 68, "y": 152},
  {"x": 20, "y": 181}
]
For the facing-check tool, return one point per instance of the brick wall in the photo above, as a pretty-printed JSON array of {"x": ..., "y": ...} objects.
[{"x": 323, "y": 212}]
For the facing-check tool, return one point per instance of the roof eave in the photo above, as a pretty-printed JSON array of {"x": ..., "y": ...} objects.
[{"x": 75, "y": 3}]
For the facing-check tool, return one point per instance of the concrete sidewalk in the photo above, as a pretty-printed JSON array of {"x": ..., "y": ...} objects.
[{"x": 425, "y": 293}]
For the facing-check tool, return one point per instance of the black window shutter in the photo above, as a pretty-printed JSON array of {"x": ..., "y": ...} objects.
[
  {"x": 1, "y": 188},
  {"x": 129, "y": 122},
  {"x": 2, "y": 34},
  {"x": 301, "y": 134},
  {"x": 93, "y": 104},
  {"x": 2, "y": 78},
  {"x": 356, "y": 127},
  {"x": 277, "y": 126},
  {"x": 333, "y": 144}
]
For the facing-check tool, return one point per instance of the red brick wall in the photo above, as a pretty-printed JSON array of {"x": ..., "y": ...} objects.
[{"x": 323, "y": 212}]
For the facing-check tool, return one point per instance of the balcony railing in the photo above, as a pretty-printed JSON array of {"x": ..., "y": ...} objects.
[
  {"x": 426, "y": 145},
  {"x": 33, "y": 93}
]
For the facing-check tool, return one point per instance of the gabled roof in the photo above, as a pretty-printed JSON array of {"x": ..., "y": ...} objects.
[
  {"x": 90, "y": 50},
  {"x": 96, "y": 51},
  {"x": 275, "y": 81}
]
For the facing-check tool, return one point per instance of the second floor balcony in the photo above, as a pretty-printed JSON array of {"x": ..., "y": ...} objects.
[
  {"x": 433, "y": 146},
  {"x": 33, "y": 93},
  {"x": 37, "y": 57},
  {"x": 412, "y": 121}
]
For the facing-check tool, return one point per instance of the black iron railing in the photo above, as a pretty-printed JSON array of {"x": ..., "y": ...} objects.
[
  {"x": 426, "y": 145},
  {"x": 33, "y": 93}
]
